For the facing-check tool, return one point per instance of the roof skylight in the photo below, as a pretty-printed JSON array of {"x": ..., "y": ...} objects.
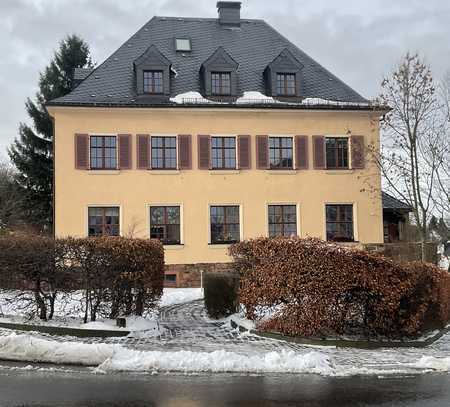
[{"x": 183, "y": 44}]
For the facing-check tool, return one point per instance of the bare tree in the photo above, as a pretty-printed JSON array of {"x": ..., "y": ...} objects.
[
  {"x": 10, "y": 199},
  {"x": 412, "y": 138},
  {"x": 442, "y": 188}
]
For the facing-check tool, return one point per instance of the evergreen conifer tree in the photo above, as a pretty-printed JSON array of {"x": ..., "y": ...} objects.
[{"x": 32, "y": 151}]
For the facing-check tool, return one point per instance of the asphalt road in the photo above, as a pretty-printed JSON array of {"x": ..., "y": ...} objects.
[{"x": 83, "y": 388}]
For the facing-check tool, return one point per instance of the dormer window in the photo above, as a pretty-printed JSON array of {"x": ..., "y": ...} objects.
[
  {"x": 220, "y": 83},
  {"x": 219, "y": 74},
  {"x": 152, "y": 70},
  {"x": 286, "y": 84},
  {"x": 153, "y": 82},
  {"x": 283, "y": 76}
]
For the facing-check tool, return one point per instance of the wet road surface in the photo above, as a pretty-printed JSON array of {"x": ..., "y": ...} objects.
[{"x": 21, "y": 387}]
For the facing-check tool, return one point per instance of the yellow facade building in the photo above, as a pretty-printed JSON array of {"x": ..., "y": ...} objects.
[{"x": 203, "y": 132}]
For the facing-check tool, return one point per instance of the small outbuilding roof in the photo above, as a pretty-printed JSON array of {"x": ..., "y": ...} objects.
[{"x": 390, "y": 202}]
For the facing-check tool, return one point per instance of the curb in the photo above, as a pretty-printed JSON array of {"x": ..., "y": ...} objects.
[
  {"x": 344, "y": 343},
  {"x": 65, "y": 331}
]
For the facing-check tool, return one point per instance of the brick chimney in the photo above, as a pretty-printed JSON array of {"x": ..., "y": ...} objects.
[{"x": 229, "y": 13}]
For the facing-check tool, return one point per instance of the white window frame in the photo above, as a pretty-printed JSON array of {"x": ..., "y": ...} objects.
[
  {"x": 236, "y": 155},
  {"x": 349, "y": 144},
  {"x": 294, "y": 162},
  {"x": 102, "y": 205},
  {"x": 283, "y": 203},
  {"x": 355, "y": 219},
  {"x": 177, "y": 167},
  {"x": 117, "y": 150},
  {"x": 241, "y": 223},
  {"x": 179, "y": 204}
]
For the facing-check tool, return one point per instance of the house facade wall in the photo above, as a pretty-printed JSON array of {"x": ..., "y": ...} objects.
[{"x": 194, "y": 190}]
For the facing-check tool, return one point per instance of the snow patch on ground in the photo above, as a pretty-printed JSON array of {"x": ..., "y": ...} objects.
[
  {"x": 173, "y": 296},
  {"x": 134, "y": 323},
  {"x": 444, "y": 261},
  {"x": 433, "y": 363},
  {"x": 70, "y": 314}
]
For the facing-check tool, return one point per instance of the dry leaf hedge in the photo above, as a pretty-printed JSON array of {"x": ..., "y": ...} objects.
[
  {"x": 315, "y": 288},
  {"x": 118, "y": 276}
]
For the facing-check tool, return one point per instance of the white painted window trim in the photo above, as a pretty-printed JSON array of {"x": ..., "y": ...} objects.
[
  {"x": 355, "y": 218},
  {"x": 151, "y": 204},
  {"x": 102, "y": 205},
  {"x": 297, "y": 214},
  {"x": 294, "y": 163},
  {"x": 235, "y": 136},
  {"x": 163, "y": 170},
  {"x": 349, "y": 144},
  {"x": 117, "y": 151},
  {"x": 241, "y": 222}
]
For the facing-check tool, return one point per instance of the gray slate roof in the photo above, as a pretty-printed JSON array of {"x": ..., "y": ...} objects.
[
  {"x": 254, "y": 45},
  {"x": 81, "y": 73},
  {"x": 389, "y": 202}
]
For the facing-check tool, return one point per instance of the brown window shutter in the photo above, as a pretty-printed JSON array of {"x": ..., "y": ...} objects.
[
  {"x": 244, "y": 152},
  {"x": 262, "y": 152},
  {"x": 184, "y": 152},
  {"x": 143, "y": 152},
  {"x": 82, "y": 151},
  {"x": 301, "y": 152},
  {"x": 319, "y": 152},
  {"x": 357, "y": 146},
  {"x": 124, "y": 142},
  {"x": 204, "y": 152}
]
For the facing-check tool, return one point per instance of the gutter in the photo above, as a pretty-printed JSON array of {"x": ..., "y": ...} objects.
[{"x": 321, "y": 107}]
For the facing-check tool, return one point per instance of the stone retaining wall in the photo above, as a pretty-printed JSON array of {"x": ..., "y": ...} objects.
[{"x": 190, "y": 275}]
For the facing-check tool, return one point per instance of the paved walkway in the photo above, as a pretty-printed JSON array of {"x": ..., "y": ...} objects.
[{"x": 185, "y": 327}]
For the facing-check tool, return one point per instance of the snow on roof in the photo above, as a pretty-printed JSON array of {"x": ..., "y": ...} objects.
[
  {"x": 255, "y": 98},
  {"x": 190, "y": 97}
]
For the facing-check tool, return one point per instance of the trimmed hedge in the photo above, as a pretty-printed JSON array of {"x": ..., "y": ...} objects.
[
  {"x": 118, "y": 276},
  {"x": 221, "y": 294},
  {"x": 316, "y": 288}
]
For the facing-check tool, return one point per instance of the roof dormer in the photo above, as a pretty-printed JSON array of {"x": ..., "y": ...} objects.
[
  {"x": 219, "y": 74},
  {"x": 283, "y": 76},
  {"x": 152, "y": 71}
]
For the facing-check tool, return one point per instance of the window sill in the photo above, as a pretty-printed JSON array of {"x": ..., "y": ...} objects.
[
  {"x": 164, "y": 172},
  {"x": 103, "y": 172},
  {"x": 173, "y": 246},
  {"x": 352, "y": 243},
  {"x": 224, "y": 172},
  {"x": 219, "y": 245},
  {"x": 337, "y": 171},
  {"x": 281, "y": 172}
]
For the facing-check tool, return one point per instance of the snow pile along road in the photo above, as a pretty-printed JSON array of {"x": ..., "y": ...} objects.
[
  {"x": 117, "y": 358},
  {"x": 111, "y": 358},
  {"x": 218, "y": 362},
  {"x": 28, "y": 348}
]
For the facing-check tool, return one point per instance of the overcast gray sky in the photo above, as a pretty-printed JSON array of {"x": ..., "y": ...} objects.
[{"x": 358, "y": 40}]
